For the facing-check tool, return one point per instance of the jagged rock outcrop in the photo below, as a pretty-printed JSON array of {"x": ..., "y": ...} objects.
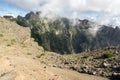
[
  {"x": 22, "y": 21},
  {"x": 107, "y": 36},
  {"x": 64, "y": 35}
]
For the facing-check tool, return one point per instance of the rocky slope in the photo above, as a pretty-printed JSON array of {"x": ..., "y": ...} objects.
[
  {"x": 22, "y": 59},
  {"x": 65, "y": 35},
  {"x": 103, "y": 62}
]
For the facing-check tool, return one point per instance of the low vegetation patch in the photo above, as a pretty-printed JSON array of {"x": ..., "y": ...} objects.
[
  {"x": 1, "y": 35},
  {"x": 8, "y": 44},
  {"x": 108, "y": 55},
  {"x": 23, "y": 45},
  {"x": 29, "y": 53},
  {"x": 13, "y": 20},
  {"x": 39, "y": 56},
  {"x": 13, "y": 41},
  {"x": 86, "y": 56}
]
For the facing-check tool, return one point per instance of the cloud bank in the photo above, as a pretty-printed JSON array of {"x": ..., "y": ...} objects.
[{"x": 103, "y": 11}]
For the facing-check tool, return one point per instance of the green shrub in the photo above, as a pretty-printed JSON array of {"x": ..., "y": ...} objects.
[
  {"x": 38, "y": 56},
  {"x": 8, "y": 44},
  {"x": 108, "y": 55},
  {"x": 1, "y": 35},
  {"x": 86, "y": 56},
  {"x": 29, "y": 53}
]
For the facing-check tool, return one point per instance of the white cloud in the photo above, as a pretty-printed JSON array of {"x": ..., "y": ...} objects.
[
  {"x": 71, "y": 7},
  {"x": 9, "y": 14}
]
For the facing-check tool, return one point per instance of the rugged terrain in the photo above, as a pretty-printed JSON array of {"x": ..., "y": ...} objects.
[
  {"x": 22, "y": 59},
  {"x": 64, "y": 35},
  {"x": 93, "y": 63}
]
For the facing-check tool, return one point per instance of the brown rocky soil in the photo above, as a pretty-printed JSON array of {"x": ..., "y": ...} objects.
[{"x": 92, "y": 63}]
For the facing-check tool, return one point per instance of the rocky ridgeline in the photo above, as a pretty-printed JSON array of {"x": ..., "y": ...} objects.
[
  {"x": 65, "y": 35},
  {"x": 94, "y": 63}
]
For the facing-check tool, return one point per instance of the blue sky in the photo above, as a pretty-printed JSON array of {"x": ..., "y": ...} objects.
[
  {"x": 102, "y": 11},
  {"x": 6, "y": 8}
]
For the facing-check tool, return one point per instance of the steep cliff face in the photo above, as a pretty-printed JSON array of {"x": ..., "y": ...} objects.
[
  {"x": 107, "y": 36},
  {"x": 64, "y": 35}
]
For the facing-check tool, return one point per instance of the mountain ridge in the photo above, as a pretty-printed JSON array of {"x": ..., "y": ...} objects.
[{"x": 65, "y": 36}]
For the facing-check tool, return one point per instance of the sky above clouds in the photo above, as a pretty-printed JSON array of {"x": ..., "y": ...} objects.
[
  {"x": 9, "y": 9},
  {"x": 102, "y": 11}
]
